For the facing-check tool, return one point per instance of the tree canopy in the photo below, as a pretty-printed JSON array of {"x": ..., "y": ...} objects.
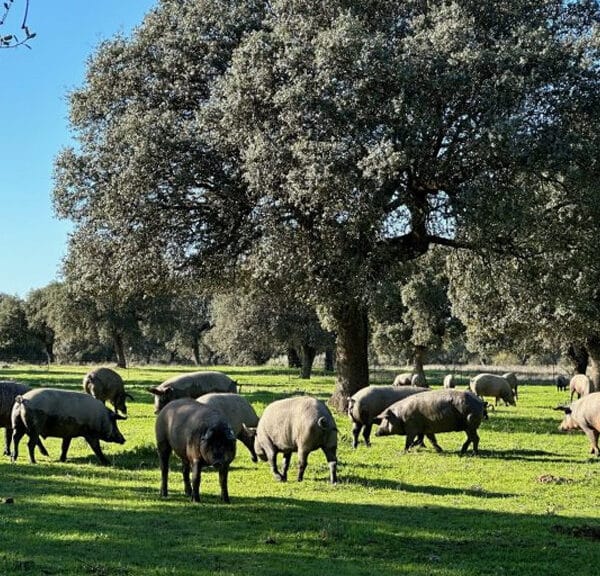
[{"x": 315, "y": 145}]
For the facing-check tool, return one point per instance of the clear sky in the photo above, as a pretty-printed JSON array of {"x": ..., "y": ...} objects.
[{"x": 34, "y": 127}]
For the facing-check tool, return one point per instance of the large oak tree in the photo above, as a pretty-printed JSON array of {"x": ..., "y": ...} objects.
[{"x": 322, "y": 142}]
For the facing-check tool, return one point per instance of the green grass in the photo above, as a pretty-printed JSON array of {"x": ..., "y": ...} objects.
[{"x": 518, "y": 508}]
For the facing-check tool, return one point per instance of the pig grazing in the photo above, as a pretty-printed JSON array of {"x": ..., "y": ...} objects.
[
  {"x": 511, "y": 378},
  {"x": 238, "y": 413},
  {"x": 63, "y": 414},
  {"x": 404, "y": 379},
  {"x": 562, "y": 382},
  {"x": 201, "y": 437},
  {"x": 449, "y": 381},
  {"x": 437, "y": 411},
  {"x": 298, "y": 424},
  {"x": 493, "y": 385},
  {"x": 191, "y": 385},
  {"x": 9, "y": 390},
  {"x": 584, "y": 414},
  {"x": 581, "y": 385},
  {"x": 369, "y": 402},
  {"x": 105, "y": 384}
]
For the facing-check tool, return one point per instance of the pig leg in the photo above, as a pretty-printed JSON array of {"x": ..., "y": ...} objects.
[
  {"x": 18, "y": 433},
  {"x": 410, "y": 438},
  {"x": 367, "y": 434},
  {"x": 196, "y": 470},
  {"x": 356, "y": 428},
  {"x": 187, "y": 485},
  {"x": 593, "y": 438},
  {"x": 271, "y": 454},
  {"x": 473, "y": 437},
  {"x": 302, "y": 463},
  {"x": 95, "y": 446},
  {"x": 287, "y": 457},
  {"x": 7, "y": 438},
  {"x": 164, "y": 453},
  {"x": 330, "y": 454},
  {"x": 66, "y": 442},
  {"x": 434, "y": 442},
  {"x": 31, "y": 444},
  {"x": 223, "y": 473}
]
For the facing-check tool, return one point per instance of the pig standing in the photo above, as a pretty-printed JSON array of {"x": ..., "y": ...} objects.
[
  {"x": 63, "y": 414},
  {"x": 584, "y": 414},
  {"x": 444, "y": 410},
  {"x": 404, "y": 379},
  {"x": 191, "y": 385},
  {"x": 238, "y": 413},
  {"x": 493, "y": 385},
  {"x": 449, "y": 381},
  {"x": 299, "y": 424},
  {"x": 105, "y": 384},
  {"x": 369, "y": 402},
  {"x": 581, "y": 385},
  {"x": 562, "y": 382},
  {"x": 201, "y": 437}
]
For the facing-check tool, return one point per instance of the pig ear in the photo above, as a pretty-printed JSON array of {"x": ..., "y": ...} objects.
[
  {"x": 250, "y": 431},
  {"x": 156, "y": 391},
  {"x": 377, "y": 420}
]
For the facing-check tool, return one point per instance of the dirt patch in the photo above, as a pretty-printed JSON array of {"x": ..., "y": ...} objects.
[
  {"x": 550, "y": 479},
  {"x": 584, "y": 531}
]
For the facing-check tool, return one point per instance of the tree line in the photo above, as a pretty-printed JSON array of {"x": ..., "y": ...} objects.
[{"x": 321, "y": 152}]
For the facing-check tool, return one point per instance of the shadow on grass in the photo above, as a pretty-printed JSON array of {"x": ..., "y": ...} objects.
[
  {"x": 264, "y": 536},
  {"x": 422, "y": 489}
]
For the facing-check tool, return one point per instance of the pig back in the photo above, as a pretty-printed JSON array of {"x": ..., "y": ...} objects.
[
  {"x": 105, "y": 382},
  {"x": 370, "y": 401},
  {"x": 234, "y": 408},
  {"x": 63, "y": 413},
  {"x": 444, "y": 410},
  {"x": 182, "y": 422},
  {"x": 298, "y": 422},
  {"x": 196, "y": 384}
]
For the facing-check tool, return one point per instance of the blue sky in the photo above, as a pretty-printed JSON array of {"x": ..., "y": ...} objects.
[{"x": 34, "y": 126}]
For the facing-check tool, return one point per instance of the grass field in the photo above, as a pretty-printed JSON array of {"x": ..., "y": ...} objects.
[{"x": 529, "y": 504}]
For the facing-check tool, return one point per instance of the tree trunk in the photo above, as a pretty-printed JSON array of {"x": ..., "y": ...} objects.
[
  {"x": 578, "y": 355},
  {"x": 49, "y": 350},
  {"x": 293, "y": 358},
  {"x": 307, "y": 354},
  {"x": 593, "y": 347},
  {"x": 352, "y": 353},
  {"x": 196, "y": 350},
  {"x": 119, "y": 347},
  {"x": 329, "y": 360},
  {"x": 419, "y": 360}
]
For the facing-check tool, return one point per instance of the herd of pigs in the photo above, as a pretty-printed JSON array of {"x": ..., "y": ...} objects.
[{"x": 200, "y": 415}]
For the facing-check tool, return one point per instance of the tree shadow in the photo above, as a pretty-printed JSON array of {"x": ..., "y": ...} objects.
[{"x": 150, "y": 535}]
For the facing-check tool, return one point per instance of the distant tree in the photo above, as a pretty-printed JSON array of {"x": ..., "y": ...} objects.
[
  {"x": 321, "y": 143},
  {"x": 13, "y": 40},
  {"x": 178, "y": 321},
  {"x": 254, "y": 326},
  {"x": 16, "y": 341},
  {"x": 412, "y": 316},
  {"x": 107, "y": 299},
  {"x": 43, "y": 309},
  {"x": 240, "y": 333}
]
